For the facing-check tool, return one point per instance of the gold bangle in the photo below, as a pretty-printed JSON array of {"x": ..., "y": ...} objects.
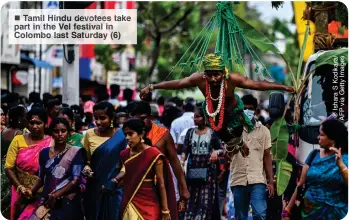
[
  {"x": 345, "y": 169},
  {"x": 165, "y": 211},
  {"x": 20, "y": 188}
]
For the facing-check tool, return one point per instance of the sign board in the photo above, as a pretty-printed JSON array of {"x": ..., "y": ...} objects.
[
  {"x": 123, "y": 79},
  {"x": 10, "y": 53}
]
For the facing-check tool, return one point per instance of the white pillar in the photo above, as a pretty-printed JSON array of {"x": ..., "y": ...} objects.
[{"x": 70, "y": 75}]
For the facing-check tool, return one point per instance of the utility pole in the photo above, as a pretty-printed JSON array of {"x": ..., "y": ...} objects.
[{"x": 70, "y": 72}]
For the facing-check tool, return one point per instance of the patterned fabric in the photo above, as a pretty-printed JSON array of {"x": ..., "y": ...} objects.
[
  {"x": 21, "y": 152},
  {"x": 5, "y": 191},
  {"x": 75, "y": 140},
  {"x": 213, "y": 62},
  {"x": 203, "y": 202},
  {"x": 56, "y": 173},
  {"x": 326, "y": 195}
]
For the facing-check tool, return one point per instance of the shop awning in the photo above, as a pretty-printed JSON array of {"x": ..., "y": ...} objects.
[{"x": 37, "y": 63}]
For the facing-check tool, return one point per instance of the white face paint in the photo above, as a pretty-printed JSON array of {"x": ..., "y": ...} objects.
[{"x": 249, "y": 113}]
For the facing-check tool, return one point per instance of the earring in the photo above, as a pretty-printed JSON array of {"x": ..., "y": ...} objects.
[
  {"x": 142, "y": 140},
  {"x": 111, "y": 125},
  {"x": 73, "y": 126}
]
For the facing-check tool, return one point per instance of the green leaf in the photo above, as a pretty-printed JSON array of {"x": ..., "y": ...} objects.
[
  {"x": 283, "y": 173},
  {"x": 332, "y": 57},
  {"x": 279, "y": 136},
  {"x": 275, "y": 128},
  {"x": 257, "y": 38}
]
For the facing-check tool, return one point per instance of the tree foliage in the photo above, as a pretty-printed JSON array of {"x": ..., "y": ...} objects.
[
  {"x": 164, "y": 33},
  {"x": 157, "y": 17}
]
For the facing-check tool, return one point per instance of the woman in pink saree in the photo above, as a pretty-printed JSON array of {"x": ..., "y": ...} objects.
[{"x": 22, "y": 162}]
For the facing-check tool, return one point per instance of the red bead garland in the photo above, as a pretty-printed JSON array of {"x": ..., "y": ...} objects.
[{"x": 210, "y": 108}]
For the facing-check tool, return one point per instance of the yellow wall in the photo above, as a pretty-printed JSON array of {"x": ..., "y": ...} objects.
[{"x": 301, "y": 26}]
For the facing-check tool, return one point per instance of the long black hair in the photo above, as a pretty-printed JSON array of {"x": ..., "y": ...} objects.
[
  {"x": 108, "y": 108},
  {"x": 57, "y": 121},
  {"x": 40, "y": 112},
  {"x": 14, "y": 116},
  {"x": 68, "y": 112},
  {"x": 336, "y": 131},
  {"x": 137, "y": 125}
]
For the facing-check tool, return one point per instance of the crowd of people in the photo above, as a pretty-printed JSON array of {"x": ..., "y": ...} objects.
[{"x": 106, "y": 158}]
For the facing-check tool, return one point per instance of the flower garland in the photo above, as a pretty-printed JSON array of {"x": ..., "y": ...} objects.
[{"x": 220, "y": 107}]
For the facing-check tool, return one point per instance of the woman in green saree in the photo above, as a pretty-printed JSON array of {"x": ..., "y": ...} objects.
[{"x": 74, "y": 138}]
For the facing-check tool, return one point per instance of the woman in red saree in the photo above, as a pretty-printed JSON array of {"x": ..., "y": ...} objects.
[
  {"x": 22, "y": 160},
  {"x": 148, "y": 186}
]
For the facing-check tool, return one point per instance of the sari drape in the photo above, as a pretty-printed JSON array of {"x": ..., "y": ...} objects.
[
  {"x": 104, "y": 160},
  {"x": 326, "y": 196},
  {"x": 26, "y": 171},
  {"x": 141, "y": 199},
  {"x": 56, "y": 173}
]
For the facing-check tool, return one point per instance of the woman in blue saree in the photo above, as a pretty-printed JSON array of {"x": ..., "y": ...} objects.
[
  {"x": 59, "y": 174},
  {"x": 103, "y": 144},
  {"x": 325, "y": 177}
]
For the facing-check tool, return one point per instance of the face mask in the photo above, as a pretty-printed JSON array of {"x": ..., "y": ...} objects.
[{"x": 249, "y": 113}]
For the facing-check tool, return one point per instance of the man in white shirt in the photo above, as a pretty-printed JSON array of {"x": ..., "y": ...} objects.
[{"x": 185, "y": 121}]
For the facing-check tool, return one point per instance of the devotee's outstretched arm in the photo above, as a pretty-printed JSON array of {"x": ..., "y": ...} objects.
[
  {"x": 186, "y": 82},
  {"x": 246, "y": 83}
]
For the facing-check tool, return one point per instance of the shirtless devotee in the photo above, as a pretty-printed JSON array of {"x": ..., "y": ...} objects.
[{"x": 223, "y": 108}]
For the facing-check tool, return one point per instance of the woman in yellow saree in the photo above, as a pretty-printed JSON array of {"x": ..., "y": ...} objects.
[{"x": 22, "y": 160}]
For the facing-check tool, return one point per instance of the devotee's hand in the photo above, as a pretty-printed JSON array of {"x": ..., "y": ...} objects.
[
  {"x": 50, "y": 203},
  {"x": 144, "y": 93},
  {"x": 290, "y": 89}
]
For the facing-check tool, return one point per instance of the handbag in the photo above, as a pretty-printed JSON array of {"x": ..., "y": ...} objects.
[
  {"x": 42, "y": 213},
  {"x": 195, "y": 174}
]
